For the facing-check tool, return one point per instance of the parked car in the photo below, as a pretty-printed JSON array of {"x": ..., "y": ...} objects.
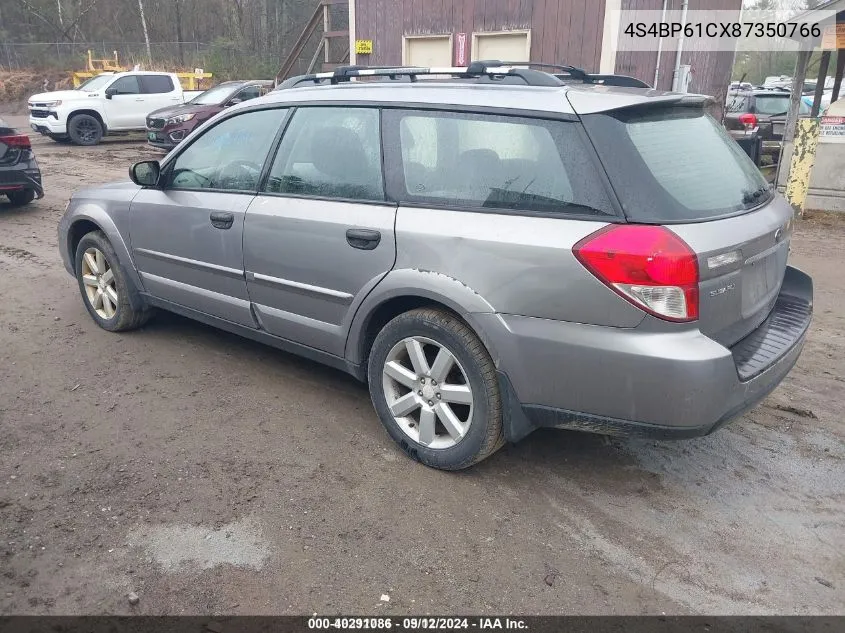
[
  {"x": 20, "y": 177},
  {"x": 491, "y": 258},
  {"x": 764, "y": 109},
  {"x": 105, "y": 104},
  {"x": 166, "y": 127}
]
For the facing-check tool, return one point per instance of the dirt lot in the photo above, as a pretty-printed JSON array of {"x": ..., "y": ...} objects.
[{"x": 209, "y": 474}]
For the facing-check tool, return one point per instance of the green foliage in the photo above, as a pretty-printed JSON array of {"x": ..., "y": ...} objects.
[
  {"x": 758, "y": 65},
  {"x": 226, "y": 60}
]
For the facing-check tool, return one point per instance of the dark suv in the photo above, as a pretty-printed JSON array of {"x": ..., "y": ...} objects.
[
  {"x": 166, "y": 127},
  {"x": 20, "y": 177},
  {"x": 760, "y": 108}
]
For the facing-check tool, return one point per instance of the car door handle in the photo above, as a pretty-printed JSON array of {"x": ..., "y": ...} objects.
[
  {"x": 222, "y": 220},
  {"x": 140, "y": 99},
  {"x": 363, "y": 239}
]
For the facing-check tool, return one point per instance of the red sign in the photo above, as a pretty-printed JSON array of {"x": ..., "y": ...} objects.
[{"x": 461, "y": 50}]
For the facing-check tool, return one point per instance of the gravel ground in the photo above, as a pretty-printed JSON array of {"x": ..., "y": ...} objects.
[{"x": 211, "y": 475}]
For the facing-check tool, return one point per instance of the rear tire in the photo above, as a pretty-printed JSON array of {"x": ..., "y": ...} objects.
[
  {"x": 444, "y": 411},
  {"x": 20, "y": 198},
  {"x": 84, "y": 129},
  {"x": 103, "y": 285}
]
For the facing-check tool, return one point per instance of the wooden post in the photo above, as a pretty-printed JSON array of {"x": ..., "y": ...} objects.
[
  {"x": 795, "y": 97},
  {"x": 824, "y": 64},
  {"x": 840, "y": 70}
]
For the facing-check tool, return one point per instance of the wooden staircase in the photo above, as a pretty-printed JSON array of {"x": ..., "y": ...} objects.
[{"x": 333, "y": 46}]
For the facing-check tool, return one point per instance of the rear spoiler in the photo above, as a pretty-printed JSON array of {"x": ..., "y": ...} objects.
[{"x": 589, "y": 102}]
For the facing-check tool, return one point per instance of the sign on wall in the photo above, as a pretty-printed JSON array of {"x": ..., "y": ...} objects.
[
  {"x": 832, "y": 129},
  {"x": 833, "y": 37},
  {"x": 461, "y": 49},
  {"x": 363, "y": 47}
]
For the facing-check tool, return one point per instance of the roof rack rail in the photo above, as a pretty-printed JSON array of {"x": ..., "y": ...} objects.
[
  {"x": 579, "y": 74},
  {"x": 492, "y": 68}
]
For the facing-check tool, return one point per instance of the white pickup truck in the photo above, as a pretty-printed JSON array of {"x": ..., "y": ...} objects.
[{"x": 106, "y": 103}]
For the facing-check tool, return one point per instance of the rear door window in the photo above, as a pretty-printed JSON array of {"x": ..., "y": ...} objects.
[
  {"x": 157, "y": 84},
  {"x": 481, "y": 161},
  {"x": 675, "y": 165}
]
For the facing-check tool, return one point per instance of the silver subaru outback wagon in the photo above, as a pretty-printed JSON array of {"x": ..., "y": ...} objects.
[{"x": 493, "y": 250}]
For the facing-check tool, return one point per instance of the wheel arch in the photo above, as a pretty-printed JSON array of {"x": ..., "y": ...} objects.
[
  {"x": 402, "y": 291},
  {"x": 93, "y": 218},
  {"x": 94, "y": 113}
]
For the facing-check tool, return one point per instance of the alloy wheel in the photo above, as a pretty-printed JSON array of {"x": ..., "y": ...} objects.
[
  {"x": 99, "y": 283},
  {"x": 86, "y": 129},
  {"x": 428, "y": 392}
]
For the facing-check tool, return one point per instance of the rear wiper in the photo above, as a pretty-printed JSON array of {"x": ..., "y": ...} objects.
[{"x": 751, "y": 197}]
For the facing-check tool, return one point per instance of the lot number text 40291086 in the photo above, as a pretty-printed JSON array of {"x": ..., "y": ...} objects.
[{"x": 418, "y": 623}]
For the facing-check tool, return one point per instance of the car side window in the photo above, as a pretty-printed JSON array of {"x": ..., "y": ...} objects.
[
  {"x": 496, "y": 162},
  {"x": 330, "y": 152},
  {"x": 738, "y": 103},
  {"x": 157, "y": 84},
  {"x": 228, "y": 156},
  {"x": 251, "y": 92},
  {"x": 126, "y": 86}
]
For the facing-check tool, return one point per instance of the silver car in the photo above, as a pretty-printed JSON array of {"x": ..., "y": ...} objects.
[{"x": 492, "y": 253}]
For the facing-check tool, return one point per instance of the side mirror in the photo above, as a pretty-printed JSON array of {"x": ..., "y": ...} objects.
[
  {"x": 110, "y": 92},
  {"x": 234, "y": 101},
  {"x": 146, "y": 173}
]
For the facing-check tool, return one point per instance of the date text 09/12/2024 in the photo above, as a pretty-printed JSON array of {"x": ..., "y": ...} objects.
[{"x": 418, "y": 623}]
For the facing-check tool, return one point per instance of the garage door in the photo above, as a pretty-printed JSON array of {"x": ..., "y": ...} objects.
[
  {"x": 428, "y": 51},
  {"x": 509, "y": 46}
]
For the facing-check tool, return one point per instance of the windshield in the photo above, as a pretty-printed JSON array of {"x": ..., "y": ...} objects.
[
  {"x": 95, "y": 83},
  {"x": 675, "y": 164},
  {"x": 215, "y": 95}
]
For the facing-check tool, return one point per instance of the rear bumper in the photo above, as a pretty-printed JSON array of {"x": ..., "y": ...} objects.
[
  {"x": 631, "y": 382},
  {"x": 24, "y": 175}
]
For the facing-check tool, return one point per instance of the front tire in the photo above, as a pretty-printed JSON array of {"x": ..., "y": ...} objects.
[
  {"x": 104, "y": 287},
  {"x": 20, "y": 198},
  {"x": 84, "y": 129},
  {"x": 435, "y": 389}
]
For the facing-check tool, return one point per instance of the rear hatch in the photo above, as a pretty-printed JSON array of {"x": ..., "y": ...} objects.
[
  {"x": 771, "y": 109},
  {"x": 10, "y": 145},
  {"x": 674, "y": 165}
]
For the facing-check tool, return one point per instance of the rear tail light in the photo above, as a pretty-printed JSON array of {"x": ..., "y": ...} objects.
[
  {"x": 18, "y": 141},
  {"x": 648, "y": 265},
  {"x": 748, "y": 119}
]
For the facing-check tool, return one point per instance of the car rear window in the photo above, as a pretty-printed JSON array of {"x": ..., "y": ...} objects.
[
  {"x": 675, "y": 164},
  {"x": 777, "y": 104},
  {"x": 481, "y": 161}
]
